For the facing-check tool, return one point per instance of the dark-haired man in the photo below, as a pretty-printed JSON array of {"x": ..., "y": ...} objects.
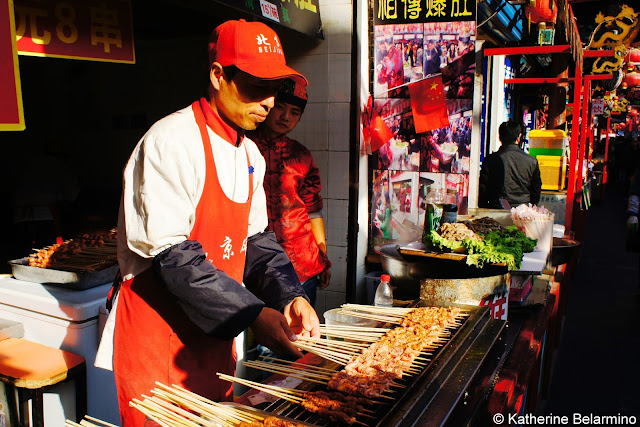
[
  {"x": 191, "y": 234},
  {"x": 509, "y": 177},
  {"x": 292, "y": 185}
]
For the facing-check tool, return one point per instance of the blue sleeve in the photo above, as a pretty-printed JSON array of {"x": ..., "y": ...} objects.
[
  {"x": 212, "y": 300},
  {"x": 268, "y": 272}
]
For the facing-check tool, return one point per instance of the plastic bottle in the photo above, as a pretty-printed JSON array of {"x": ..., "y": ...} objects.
[
  {"x": 384, "y": 293},
  {"x": 450, "y": 207},
  {"x": 433, "y": 214}
]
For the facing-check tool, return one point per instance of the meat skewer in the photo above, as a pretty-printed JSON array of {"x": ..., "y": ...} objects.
[{"x": 335, "y": 410}]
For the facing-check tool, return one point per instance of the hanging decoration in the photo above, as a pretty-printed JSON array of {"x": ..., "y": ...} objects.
[
  {"x": 632, "y": 79},
  {"x": 633, "y": 57},
  {"x": 542, "y": 11},
  {"x": 607, "y": 65},
  {"x": 375, "y": 132},
  {"x": 612, "y": 31}
]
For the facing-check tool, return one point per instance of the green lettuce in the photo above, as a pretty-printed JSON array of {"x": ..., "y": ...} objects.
[{"x": 505, "y": 246}]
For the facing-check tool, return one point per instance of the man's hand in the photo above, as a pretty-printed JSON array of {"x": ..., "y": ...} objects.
[
  {"x": 302, "y": 318},
  {"x": 324, "y": 278},
  {"x": 271, "y": 330}
]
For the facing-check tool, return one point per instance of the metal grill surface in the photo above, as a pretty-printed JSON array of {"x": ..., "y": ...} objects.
[{"x": 429, "y": 397}]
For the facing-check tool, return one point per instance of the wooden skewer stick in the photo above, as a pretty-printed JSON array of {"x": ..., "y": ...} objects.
[
  {"x": 322, "y": 380},
  {"x": 162, "y": 419},
  {"x": 299, "y": 365},
  {"x": 162, "y": 413},
  {"x": 190, "y": 416},
  {"x": 273, "y": 390},
  {"x": 195, "y": 400},
  {"x": 339, "y": 358},
  {"x": 216, "y": 412},
  {"x": 90, "y": 418}
]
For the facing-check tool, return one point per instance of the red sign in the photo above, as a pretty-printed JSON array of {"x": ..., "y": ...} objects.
[
  {"x": 11, "y": 114},
  {"x": 97, "y": 30}
]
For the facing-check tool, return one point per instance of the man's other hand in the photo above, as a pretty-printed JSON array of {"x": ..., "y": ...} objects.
[
  {"x": 323, "y": 279},
  {"x": 302, "y": 318}
]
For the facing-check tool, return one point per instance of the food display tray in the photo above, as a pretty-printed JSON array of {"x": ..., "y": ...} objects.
[{"x": 79, "y": 280}]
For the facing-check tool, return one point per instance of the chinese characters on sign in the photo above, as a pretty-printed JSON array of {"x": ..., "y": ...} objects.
[
  {"x": 11, "y": 113},
  {"x": 299, "y": 15},
  {"x": 76, "y": 29},
  {"x": 407, "y": 11},
  {"x": 597, "y": 106}
]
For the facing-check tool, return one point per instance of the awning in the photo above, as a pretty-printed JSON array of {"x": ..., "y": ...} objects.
[{"x": 300, "y": 15}]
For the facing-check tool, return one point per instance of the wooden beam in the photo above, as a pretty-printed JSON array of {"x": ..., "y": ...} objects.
[
  {"x": 538, "y": 80},
  {"x": 525, "y": 50}
]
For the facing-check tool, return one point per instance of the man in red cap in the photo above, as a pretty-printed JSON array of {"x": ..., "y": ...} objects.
[{"x": 197, "y": 266}]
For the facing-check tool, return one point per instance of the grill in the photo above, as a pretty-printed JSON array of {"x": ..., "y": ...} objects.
[{"x": 438, "y": 393}]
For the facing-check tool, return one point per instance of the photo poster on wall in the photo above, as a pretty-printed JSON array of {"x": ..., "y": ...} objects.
[
  {"x": 398, "y": 202},
  {"x": 423, "y": 82}
]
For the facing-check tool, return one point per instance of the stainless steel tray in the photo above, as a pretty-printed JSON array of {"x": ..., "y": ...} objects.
[{"x": 79, "y": 280}]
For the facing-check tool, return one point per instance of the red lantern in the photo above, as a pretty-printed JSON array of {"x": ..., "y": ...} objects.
[
  {"x": 632, "y": 79},
  {"x": 542, "y": 11},
  {"x": 633, "y": 57}
]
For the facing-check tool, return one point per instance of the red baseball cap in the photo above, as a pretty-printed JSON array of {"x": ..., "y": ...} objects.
[{"x": 253, "y": 47}]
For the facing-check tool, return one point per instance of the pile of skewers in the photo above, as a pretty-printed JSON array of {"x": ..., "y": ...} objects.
[
  {"x": 176, "y": 406},
  {"x": 88, "y": 421},
  {"x": 86, "y": 252}
]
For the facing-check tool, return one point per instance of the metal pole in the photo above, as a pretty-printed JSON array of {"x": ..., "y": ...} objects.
[{"x": 573, "y": 147}]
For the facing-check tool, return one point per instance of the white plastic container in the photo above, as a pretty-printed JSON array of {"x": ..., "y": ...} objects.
[
  {"x": 65, "y": 319},
  {"x": 333, "y": 317}
]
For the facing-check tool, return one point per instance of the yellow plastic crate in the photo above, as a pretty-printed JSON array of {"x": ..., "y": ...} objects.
[
  {"x": 553, "y": 170},
  {"x": 551, "y": 139}
]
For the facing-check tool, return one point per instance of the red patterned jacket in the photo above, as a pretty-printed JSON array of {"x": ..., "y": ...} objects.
[{"x": 292, "y": 185}]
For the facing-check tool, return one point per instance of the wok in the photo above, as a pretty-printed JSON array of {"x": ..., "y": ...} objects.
[
  {"x": 563, "y": 250},
  {"x": 407, "y": 271}
]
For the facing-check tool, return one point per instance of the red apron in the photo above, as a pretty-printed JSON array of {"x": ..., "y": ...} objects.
[{"x": 154, "y": 340}]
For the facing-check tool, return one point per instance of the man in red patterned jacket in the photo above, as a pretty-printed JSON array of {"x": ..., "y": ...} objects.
[{"x": 292, "y": 185}]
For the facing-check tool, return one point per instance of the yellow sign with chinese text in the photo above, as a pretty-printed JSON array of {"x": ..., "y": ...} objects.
[{"x": 96, "y": 30}]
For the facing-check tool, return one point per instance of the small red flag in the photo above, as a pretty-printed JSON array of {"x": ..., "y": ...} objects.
[
  {"x": 375, "y": 131},
  {"x": 428, "y": 104}
]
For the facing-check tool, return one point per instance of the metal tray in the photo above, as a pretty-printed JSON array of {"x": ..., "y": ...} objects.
[{"x": 79, "y": 280}]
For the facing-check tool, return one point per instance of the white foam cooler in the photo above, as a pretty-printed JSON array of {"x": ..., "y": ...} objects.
[{"x": 65, "y": 319}]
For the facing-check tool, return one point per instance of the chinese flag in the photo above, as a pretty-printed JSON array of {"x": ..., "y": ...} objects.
[
  {"x": 375, "y": 130},
  {"x": 428, "y": 104}
]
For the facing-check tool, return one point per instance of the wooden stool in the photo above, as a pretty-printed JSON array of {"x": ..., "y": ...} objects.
[{"x": 30, "y": 368}]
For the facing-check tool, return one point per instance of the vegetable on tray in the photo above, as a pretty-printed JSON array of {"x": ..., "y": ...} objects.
[{"x": 500, "y": 245}]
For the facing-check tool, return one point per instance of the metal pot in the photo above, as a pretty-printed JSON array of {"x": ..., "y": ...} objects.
[
  {"x": 562, "y": 251},
  {"x": 407, "y": 271}
]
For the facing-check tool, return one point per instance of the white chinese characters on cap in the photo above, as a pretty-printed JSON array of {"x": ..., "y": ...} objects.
[{"x": 265, "y": 47}]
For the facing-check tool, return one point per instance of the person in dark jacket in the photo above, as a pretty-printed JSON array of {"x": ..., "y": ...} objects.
[{"x": 509, "y": 174}]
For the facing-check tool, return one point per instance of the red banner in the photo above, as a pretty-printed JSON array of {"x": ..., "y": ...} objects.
[
  {"x": 11, "y": 113},
  {"x": 97, "y": 30}
]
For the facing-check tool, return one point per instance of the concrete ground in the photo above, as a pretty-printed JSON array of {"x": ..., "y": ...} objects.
[{"x": 597, "y": 366}]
